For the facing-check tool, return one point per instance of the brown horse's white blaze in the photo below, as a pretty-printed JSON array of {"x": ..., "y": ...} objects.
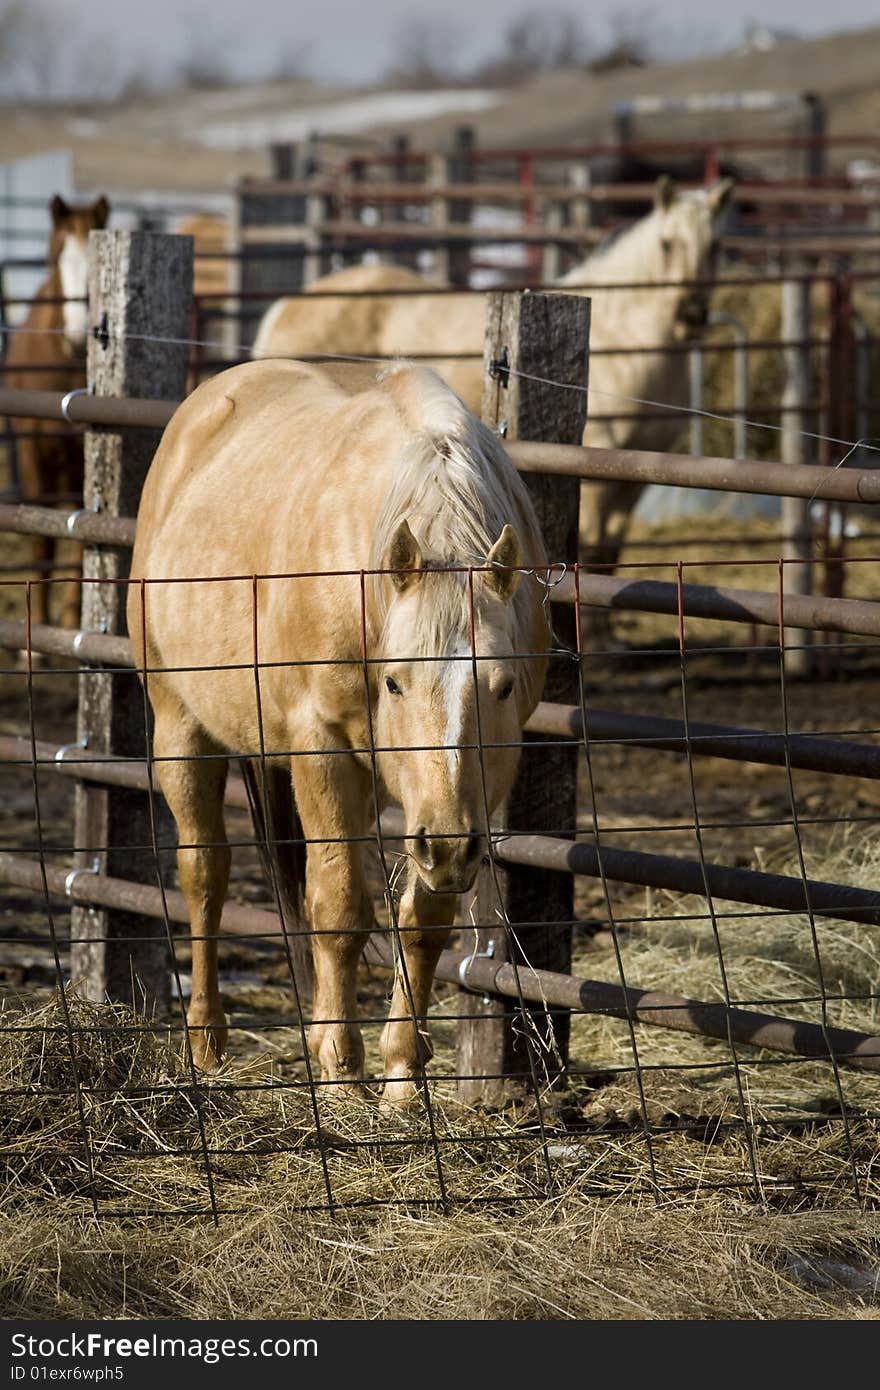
[
  {"x": 73, "y": 268},
  {"x": 287, "y": 469},
  {"x": 47, "y": 353}
]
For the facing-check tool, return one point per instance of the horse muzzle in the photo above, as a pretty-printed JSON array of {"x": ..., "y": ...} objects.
[
  {"x": 447, "y": 863},
  {"x": 693, "y": 315}
]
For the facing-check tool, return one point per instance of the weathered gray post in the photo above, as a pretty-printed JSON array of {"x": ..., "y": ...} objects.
[
  {"x": 140, "y": 289},
  {"x": 461, "y": 170},
  {"x": 795, "y": 448},
  {"x": 551, "y": 251},
  {"x": 581, "y": 205},
  {"x": 545, "y": 336},
  {"x": 438, "y": 178}
]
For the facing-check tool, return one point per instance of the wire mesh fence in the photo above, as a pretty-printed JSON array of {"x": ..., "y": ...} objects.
[
  {"x": 633, "y": 1108},
  {"x": 662, "y": 986}
]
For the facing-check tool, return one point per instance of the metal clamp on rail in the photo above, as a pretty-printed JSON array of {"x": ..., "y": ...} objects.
[
  {"x": 75, "y": 516},
  {"x": 84, "y": 632},
  {"x": 465, "y": 966},
  {"x": 61, "y": 753},
  {"x": 68, "y": 397},
  {"x": 74, "y": 874}
]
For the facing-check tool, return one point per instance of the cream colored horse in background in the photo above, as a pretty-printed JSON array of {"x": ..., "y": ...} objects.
[
  {"x": 675, "y": 243},
  {"x": 316, "y": 475}
]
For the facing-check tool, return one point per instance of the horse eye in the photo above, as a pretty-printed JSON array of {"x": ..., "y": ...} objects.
[
  {"x": 392, "y": 687},
  {"x": 506, "y": 690}
]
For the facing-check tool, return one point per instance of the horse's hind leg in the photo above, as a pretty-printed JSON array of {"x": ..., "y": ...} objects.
[
  {"x": 193, "y": 780},
  {"x": 424, "y": 921}
]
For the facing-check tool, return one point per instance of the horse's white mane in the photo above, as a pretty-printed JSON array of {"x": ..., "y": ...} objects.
[
  {"x": 623, "y": 255},
  {"x": 456, "y": 488}
]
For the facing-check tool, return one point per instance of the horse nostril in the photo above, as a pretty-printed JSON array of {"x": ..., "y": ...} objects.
[{"x": 421, "y": 848}]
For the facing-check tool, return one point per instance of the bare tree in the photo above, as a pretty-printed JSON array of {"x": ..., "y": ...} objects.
[
  {"x": 425, "y": 52},
  {"x": 42, "y": 61},
  {"x": 536, "y": 41},
  {"x": 633, "y": 41}
]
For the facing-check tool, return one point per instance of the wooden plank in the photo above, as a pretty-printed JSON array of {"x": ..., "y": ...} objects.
[
  {"x": 140, "y": 289},
  {"x": 545, "y": 336}
]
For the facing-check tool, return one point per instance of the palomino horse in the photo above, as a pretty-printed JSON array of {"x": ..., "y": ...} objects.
[
  {"x": 53, "y": 338},
  {"x": 662, "y": 253},
  {"x": 412, "y": 683}
]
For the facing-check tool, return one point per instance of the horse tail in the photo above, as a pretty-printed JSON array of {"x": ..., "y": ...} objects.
[{"x": 282, "y": 850}]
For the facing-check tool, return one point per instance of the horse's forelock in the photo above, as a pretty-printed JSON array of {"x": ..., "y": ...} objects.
[{"x": 456, "y": 489}]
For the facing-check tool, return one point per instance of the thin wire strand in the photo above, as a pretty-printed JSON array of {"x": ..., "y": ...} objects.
[
  {"x": 195, "y": 1083},
  {"x": 849, "y": 444},
  {"x": 707, "y": 892},
  {"x": 802, "y": 866},
  {"x": 50, "y": 918},
  {"x": 394, "y": 922},
  {"x": 606, "y": 894},
  {"x": 279, "y": 906},
  {"x": 513, "y": 945}
]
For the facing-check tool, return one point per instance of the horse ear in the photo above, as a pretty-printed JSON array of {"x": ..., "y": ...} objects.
[
  {"x": 503, "y": 560},
  {"x": 59, "y": 209},
  {"x": 100, "y": 211},
  {"x": 719, "y": 194},
  {"x": 665, "y": 192},
  {"x": 404, "y": 558}
]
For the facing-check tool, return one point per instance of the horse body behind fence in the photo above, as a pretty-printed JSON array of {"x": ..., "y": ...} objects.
[
  {"x": 319, "y": 474},
  {"x": 663, "y": 253},
  {"x": 47, "y": 353}
]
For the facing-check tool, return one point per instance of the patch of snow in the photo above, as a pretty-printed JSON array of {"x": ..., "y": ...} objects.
[
  {"x": 83, "y": 126},
  {"x": 382, "y": 108}
]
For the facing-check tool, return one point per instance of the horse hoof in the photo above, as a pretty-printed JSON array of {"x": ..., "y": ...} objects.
[
  {"x": 348, "y": 1090},
  {"x": 399, "y": 1096},
  {"x": 207, "y": 1045}
]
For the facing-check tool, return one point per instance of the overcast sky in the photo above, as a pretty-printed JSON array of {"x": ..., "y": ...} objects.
[{"x": 354, "y": 40}]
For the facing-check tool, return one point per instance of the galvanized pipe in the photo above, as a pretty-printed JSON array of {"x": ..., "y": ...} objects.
[
  {"x": 75, "y": 761},
  {"x": 627, "y": 465},
  {"x": 482, "y": 975},
  {"x": 93, "y": 648},
  {"x": 77, "y": 523},
  {"x": 683, "y": 470},
  {"x": 776, "y": 891},
  {"x": 858, "y": 617},
  {"x": 108, "y": 411},
  {"x": 98, "y": 890},
  {"x": 807, "y": 752},
  {"x": 663, "y": 1010}
]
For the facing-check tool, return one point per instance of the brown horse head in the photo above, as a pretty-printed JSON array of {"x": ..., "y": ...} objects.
[{"x": 68, "y": 255}]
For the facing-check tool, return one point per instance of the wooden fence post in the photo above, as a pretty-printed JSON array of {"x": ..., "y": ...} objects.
[
  {"x": 546, "y": 336},
  {"x": 581, "y": 206},
  {"x": 438, "y": 178},
  {"x": 551, "y": 252},
  {"x": 796, "y": 448},
  {"x": 461, "y": 170},
  {"x": 140, "y": 287}
]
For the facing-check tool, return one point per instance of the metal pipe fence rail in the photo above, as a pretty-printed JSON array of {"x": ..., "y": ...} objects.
[
  {"x": 858, "y": 1050},
  {"x": 556, "y": 848},
  {"x": 562, "y": 460}
]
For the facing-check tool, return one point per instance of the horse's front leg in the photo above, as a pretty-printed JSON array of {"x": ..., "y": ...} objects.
[
  {"x": 424, "y": 922},
  {"x": 331, "y": 796}
]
